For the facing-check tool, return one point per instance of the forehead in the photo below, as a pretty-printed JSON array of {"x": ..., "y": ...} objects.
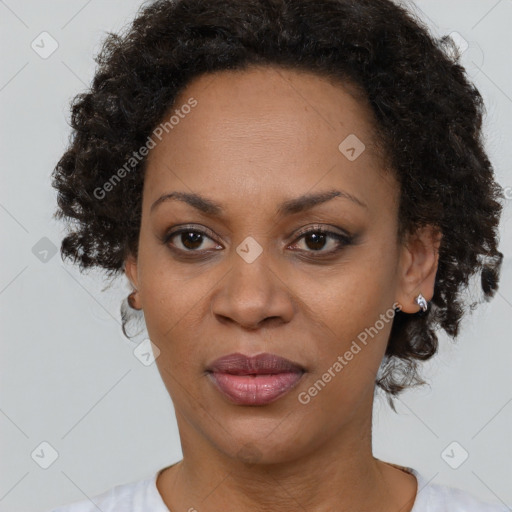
[{"x": 265, "y": 130}]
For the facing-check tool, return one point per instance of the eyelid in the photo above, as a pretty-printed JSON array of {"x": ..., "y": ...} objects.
[
  {"x": 175, "y": 230},
  {"x": 325, "y": 228}
]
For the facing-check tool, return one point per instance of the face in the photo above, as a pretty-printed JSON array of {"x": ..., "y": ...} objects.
[{"x": 286, "y": 244}]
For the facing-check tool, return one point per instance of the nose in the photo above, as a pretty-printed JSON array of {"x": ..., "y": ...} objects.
[{"x": 253, "y": 295}]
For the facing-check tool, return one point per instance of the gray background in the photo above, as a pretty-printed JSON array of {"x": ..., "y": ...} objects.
[{"x": 69, "y": 377}]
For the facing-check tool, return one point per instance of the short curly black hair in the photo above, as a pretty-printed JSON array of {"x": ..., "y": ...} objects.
[{"x": 428, "y": 114}]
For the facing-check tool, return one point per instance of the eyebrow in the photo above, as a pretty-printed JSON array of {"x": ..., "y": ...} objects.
[{"x": 288, "y": 207}]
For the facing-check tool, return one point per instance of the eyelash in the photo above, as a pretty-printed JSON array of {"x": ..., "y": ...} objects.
[{"x": 343, "y": 240}]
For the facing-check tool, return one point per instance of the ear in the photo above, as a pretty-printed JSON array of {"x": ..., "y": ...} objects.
[
  {"x": 131, "y": 271},
  {"x": 418, "y": 267}
]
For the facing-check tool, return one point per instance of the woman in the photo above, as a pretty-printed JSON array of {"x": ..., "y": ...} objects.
[{"x": 297, "y": 192}]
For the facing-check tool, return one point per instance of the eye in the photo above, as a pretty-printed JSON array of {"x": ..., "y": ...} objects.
[
  {"x": 317, "y": 238},
  {"x": 188, "y": 239},
  {"x": 194, "y": 241}
]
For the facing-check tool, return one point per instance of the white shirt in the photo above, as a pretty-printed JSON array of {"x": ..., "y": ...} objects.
[{"x": 143, "y": 496}]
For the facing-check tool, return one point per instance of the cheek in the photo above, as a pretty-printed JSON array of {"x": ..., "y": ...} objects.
[
  {"x": 356, "y": 328},
  {"x": 355, "y": 294},
  {"x": 169, "y": 298},
  {"x": 350, "y": 344},
  {"x": 353, "y": 309}
]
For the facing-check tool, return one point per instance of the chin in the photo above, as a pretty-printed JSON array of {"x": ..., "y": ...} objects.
[{"x": 263, "y": 451}]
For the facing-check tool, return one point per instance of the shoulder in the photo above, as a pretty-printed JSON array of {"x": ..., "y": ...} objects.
[
  {"x": 432, "y": 497},
  {"x": 135, "y": 496}
]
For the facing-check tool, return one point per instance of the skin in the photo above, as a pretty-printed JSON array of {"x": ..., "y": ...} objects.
[{"x": 256, "y": 138}]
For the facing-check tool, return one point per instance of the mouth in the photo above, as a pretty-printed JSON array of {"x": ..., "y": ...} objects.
[{"x": 256, "y": 380}]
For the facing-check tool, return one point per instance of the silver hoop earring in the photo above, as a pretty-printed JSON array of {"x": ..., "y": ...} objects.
[{"x": 422, "y": 302}]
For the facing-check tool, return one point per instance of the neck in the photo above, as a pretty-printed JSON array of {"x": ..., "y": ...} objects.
[{"x": 341, "y": 474}]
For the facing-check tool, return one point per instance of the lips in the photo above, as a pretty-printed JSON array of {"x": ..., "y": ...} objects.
[{"x": 256, "y": 380}]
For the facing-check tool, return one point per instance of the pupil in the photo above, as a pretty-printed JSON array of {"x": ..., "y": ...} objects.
[{"x": 320, "y": 240}]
